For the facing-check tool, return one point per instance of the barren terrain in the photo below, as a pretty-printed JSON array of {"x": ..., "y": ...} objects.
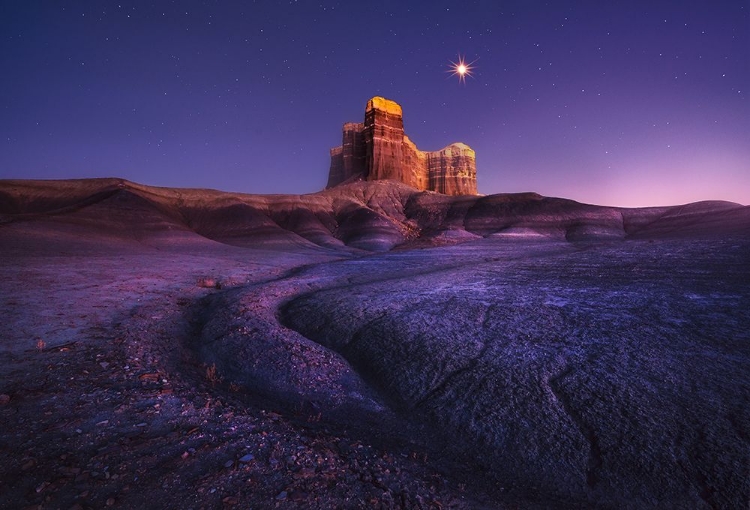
[{"x": 369, "y": 346}]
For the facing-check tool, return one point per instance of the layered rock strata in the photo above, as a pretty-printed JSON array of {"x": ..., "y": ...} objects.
[{"x": 378, "y": 149}]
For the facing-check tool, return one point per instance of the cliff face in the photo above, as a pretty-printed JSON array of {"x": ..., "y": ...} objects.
[
  {"x": 348, "y": 160},
  {"x": 452, "y": 171},
  {"x": 378, "y": 149}
]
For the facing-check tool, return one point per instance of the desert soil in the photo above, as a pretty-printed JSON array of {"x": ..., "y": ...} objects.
[
  {"x": 147, "y": 366},
  {"x": 106, "y": 403}
]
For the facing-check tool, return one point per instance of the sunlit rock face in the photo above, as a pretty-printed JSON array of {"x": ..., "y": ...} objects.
[
  {"x": 378, "y": 149},
  {"x": 453, "y": 171}
]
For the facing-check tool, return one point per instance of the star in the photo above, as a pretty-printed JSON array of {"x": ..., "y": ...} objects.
[{"x": 462, "y": 69}]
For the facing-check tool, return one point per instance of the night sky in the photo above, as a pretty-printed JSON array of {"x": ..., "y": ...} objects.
[{"x": 619, "y": 103}]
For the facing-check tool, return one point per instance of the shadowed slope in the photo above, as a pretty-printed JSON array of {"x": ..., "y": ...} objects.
[
  {"x": 711, "y": 218},
  {"x": 370, "y": 216}
]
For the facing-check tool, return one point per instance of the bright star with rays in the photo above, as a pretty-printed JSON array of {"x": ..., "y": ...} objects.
[{"x": 462, "y": 69}]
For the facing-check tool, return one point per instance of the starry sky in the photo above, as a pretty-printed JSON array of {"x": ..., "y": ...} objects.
[{"x": 628, "y": 103}]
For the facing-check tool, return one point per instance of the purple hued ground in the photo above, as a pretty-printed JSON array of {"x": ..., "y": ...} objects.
[{"x": 369, "y": 346}]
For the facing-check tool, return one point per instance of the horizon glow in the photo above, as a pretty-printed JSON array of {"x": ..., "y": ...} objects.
[{"x": 606, "y": 104}]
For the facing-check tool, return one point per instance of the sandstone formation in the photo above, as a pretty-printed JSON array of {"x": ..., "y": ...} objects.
[{"x": 378, "y": 149}]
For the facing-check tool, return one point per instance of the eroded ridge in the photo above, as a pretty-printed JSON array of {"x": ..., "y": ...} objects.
[{"x": 588, "y": 375}]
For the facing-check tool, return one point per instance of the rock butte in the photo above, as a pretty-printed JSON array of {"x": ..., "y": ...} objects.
[{"x": 378, "y": 149}]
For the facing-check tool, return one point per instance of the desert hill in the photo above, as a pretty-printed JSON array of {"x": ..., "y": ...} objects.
[{"x": 371, "y": 216}]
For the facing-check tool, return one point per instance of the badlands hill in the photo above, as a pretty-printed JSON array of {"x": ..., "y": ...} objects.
[
  {"x": 369, "y": 346},
  {"x": 371, "y": 216}
]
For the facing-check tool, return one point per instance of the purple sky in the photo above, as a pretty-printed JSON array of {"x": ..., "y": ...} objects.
[{"x": 619, "y": 103}]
